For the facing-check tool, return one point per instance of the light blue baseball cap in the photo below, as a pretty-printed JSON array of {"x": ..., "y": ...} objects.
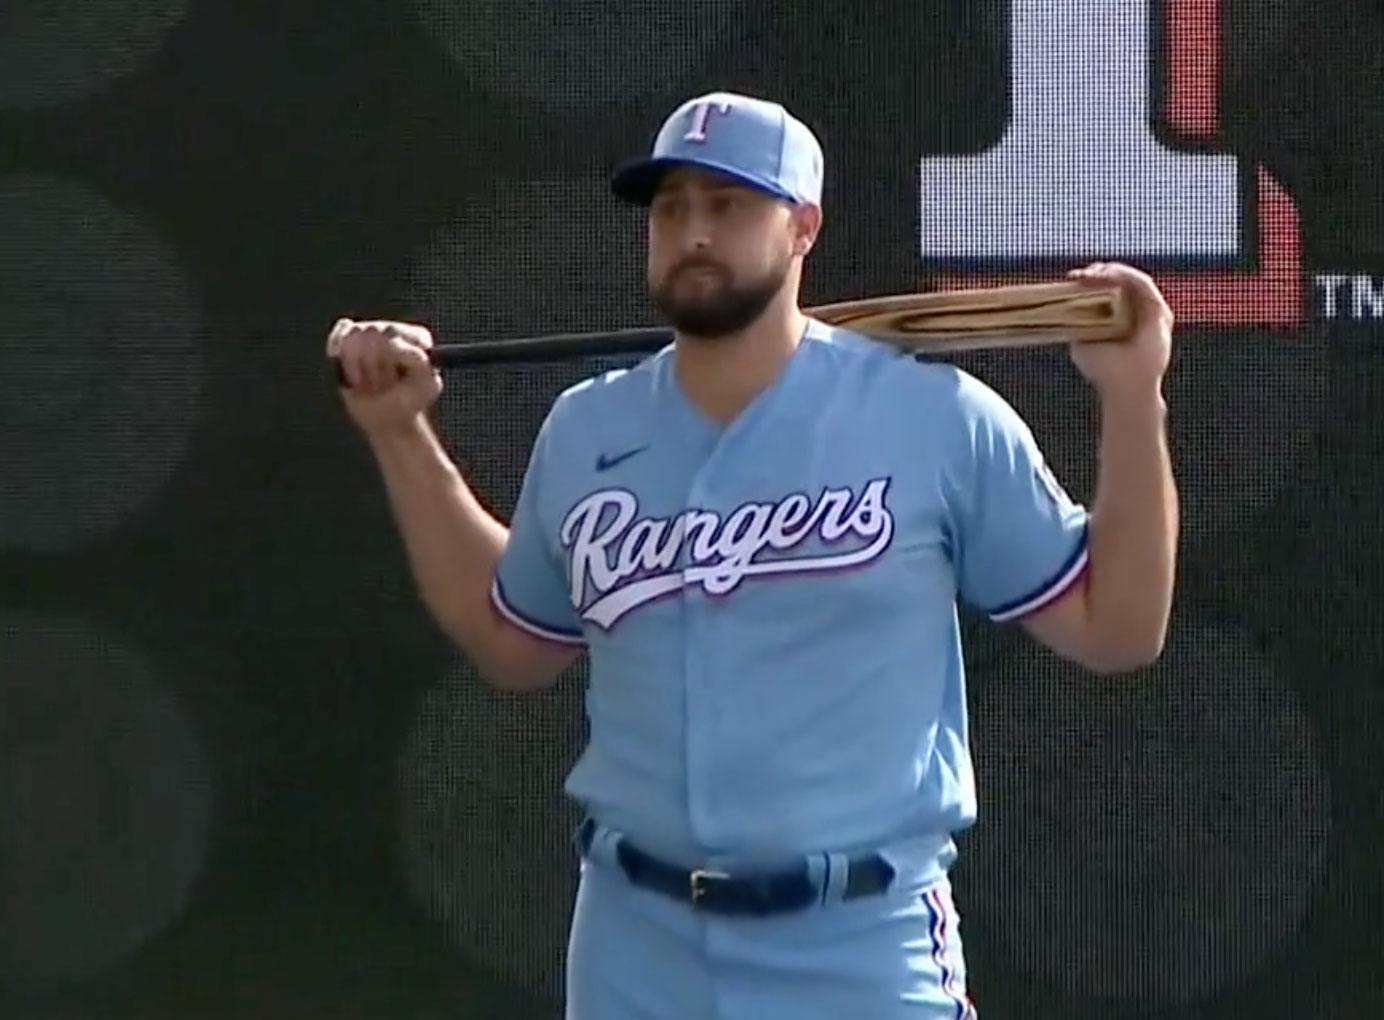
[{"x": 752, "y": 140}]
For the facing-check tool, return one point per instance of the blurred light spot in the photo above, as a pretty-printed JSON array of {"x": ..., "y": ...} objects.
[
  {"x": 58, "y": 51},
  {"x": 486, "y": 830},
  {"x": 1153, "y": 837},
  {"x": 106, "y": 793},
  {"x": 101, "y": 363},
  {"x": 535, "y": 257},
  {"x": 568, "y": 57}
]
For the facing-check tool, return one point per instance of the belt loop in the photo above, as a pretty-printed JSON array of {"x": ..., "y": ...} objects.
[
  {"x": 819, "y": 874},
  {"x": 581, "y": 836},
  {"x": 838, "y": 868},
  {"x": 597, "y": 842}
]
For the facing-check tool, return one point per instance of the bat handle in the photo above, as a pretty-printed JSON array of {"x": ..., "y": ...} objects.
[{"x": 339, "y": 374}]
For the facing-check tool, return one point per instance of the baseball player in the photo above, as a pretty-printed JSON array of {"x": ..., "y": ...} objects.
[{"x": 759, "y": 537}]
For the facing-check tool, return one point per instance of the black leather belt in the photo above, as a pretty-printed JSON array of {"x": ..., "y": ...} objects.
[{"x": 755, "y": 895}]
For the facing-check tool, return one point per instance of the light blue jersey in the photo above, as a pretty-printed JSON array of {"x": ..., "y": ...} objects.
[
  {"x": 778, "y": 757},
  {"x": 770, "y": 606}
]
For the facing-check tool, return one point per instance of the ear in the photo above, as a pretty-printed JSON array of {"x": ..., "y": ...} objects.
[{"x": 807, "y": 224}]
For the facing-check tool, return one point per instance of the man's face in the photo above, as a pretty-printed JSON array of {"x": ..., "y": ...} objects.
[{"x": 719, "y": 251}]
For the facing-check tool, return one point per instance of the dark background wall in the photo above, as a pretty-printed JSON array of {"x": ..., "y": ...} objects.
[{"x": 241, "y": 775}]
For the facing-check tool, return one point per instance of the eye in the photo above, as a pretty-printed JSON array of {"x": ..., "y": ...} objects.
[
  {"x": 724, "y": 202},
  {"x": 664, "y": 207}
]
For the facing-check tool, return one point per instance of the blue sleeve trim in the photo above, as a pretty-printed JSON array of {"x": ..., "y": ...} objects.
[
  {"x": 1052, "y": 589},
  {"x": 528, "y": 624}
]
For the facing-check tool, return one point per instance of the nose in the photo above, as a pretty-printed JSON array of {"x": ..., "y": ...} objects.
[
  {"x": 696, "y": 235},
  {"x": 696, "y": 228},
  {"x": 689, "y": 252}
]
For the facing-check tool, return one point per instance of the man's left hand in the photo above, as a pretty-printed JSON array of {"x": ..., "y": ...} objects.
[{"x": 1134, "y": 367}]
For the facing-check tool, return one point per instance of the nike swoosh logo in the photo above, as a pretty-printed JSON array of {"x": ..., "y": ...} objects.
[{"x": 604, "y": 463}]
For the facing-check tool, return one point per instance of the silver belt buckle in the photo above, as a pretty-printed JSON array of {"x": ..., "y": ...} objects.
[{"x": 698, "y": 879}]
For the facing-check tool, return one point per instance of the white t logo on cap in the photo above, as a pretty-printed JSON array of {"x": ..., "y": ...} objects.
[{"x": 701, "y": 115}]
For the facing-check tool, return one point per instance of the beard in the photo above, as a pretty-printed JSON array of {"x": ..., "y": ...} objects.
[{"x": 722, "y": 312}]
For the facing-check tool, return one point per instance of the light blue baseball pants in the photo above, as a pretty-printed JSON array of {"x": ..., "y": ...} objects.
[{"x": 635, "y": 954}]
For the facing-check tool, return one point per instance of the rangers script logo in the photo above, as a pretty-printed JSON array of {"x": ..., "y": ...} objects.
[{"x": 619, "y": 560}]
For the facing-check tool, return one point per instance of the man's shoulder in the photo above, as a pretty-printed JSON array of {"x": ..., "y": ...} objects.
[
  {"x": 941, "y": 383},
  {"x": 612, "y": 391}
]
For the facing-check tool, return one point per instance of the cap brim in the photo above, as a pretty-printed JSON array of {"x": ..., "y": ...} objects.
[{"x": 637, "y": 182}]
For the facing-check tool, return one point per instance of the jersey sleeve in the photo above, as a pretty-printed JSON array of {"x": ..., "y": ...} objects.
[
  {"x": 530, "y": 587},
  {"x": 1019, "y": 541}
]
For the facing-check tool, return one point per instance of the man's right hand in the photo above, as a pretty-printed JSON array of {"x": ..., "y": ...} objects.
[
  {"x": 453, "y": 543},
  {"x": 389, "y": 381}
]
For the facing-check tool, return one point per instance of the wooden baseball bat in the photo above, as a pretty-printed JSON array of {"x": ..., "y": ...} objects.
[{"x": 933, "y": 322}]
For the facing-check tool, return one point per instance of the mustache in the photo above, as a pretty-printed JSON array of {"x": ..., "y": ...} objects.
[{"x": 697, "y": 263}]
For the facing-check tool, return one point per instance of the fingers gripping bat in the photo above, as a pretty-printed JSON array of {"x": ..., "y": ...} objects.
[{"x": 935, "y": 322}]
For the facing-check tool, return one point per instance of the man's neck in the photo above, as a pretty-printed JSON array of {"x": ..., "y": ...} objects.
[{"x": 722, "y": 377}]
